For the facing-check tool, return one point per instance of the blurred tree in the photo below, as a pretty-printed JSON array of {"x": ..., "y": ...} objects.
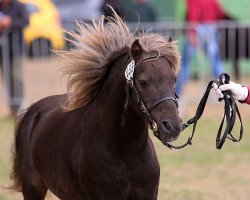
[
  {"x": 237, "y": 9},
  {"x": 141, "y": 10},
  {"x": 165, "y": 9}
]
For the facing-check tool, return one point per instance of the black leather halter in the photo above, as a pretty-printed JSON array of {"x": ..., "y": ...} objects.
[{"x": 147, "y": 111}]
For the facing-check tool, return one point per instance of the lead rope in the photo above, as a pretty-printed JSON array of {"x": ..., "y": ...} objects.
[{"x": 230, "y": 112}]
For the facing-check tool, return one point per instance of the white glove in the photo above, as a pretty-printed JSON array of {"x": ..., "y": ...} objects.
[{"x": 238, "y": 92}]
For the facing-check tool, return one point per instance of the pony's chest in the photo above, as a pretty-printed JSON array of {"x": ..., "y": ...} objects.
[
  {"x": 143, "y": 178},
  {"x": 127, "y": 179},
  {"x": 144, "y": 170}
]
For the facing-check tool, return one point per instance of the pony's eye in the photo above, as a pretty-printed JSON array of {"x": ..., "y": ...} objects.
[{"x": 143, "y": 83}]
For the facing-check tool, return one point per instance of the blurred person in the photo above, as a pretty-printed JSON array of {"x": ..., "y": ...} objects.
[
  {"x": 203, "y": 36},
  {"x": 13, "y": 15},
  {"x": 239, "y": 92},
  {"x": 143, "y": 11},
  {"x": 13, "y": 18}
]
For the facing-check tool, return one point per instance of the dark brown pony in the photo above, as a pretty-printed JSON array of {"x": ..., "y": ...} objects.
[{"x": 87, "y": 145}]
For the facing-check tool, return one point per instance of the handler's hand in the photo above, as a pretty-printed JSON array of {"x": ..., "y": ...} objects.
[{"x": 238, "y": 92}]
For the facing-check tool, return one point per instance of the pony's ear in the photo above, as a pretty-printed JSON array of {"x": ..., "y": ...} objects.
[{"x": 136, "y": 50}]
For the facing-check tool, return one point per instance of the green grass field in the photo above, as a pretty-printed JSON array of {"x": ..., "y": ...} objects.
[{"x": 198, "y": 172}]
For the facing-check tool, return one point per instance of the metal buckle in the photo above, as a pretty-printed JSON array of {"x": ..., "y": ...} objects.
[{"x": 154, "y": 127}]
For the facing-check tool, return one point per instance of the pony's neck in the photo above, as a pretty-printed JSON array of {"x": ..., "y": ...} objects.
[{"x": 125, "y": 126}]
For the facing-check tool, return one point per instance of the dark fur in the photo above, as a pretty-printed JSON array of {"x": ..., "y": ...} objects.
[{"x": 99, "y": 151}]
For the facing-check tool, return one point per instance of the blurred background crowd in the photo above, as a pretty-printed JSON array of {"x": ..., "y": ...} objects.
[{"x": 213, "y": 35}]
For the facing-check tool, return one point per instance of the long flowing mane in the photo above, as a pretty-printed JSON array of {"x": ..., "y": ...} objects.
[{"x": 94, "y": 45}]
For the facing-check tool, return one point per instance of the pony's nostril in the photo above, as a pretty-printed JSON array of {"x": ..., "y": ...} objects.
[{"x": 166, "y": 126}]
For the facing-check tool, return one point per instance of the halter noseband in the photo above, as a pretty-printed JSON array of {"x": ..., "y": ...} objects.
[{"x": 131, "y": 87}]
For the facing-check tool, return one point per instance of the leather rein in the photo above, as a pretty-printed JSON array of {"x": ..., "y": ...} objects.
[
  {"x": 231, "y": 110},
  {"x": 230, "y": 107}
]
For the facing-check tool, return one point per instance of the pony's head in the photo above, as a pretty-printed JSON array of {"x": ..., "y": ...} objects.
[
  {"x": 157, "y": 62},
  {"x": 151, "y": 77}
]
